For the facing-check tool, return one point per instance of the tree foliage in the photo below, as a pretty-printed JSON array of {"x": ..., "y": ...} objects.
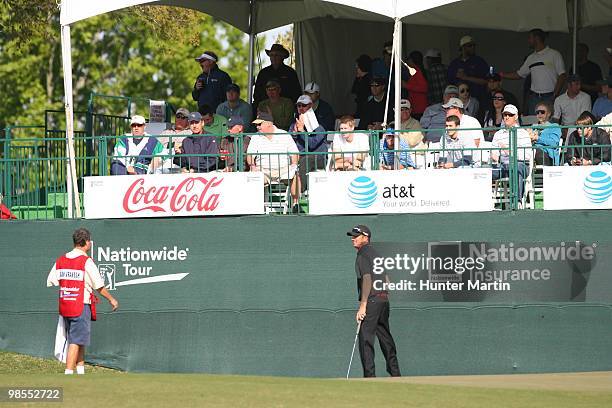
[{"x": 142, "y": 51}]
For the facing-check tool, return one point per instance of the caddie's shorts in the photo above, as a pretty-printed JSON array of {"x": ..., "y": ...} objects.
[{"x": 78, "y": 329}]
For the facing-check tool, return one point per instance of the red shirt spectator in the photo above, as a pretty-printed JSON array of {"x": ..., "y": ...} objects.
[{"x": 417, "y": 92}]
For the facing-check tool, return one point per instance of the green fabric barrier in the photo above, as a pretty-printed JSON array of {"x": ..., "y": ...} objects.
[{"x": 276, "y": 296}]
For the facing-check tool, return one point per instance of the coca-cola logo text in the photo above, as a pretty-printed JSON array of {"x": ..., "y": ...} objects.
[{"x": 191, "y": 194}]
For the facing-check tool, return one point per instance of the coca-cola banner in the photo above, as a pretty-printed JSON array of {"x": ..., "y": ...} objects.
[{"x": 169, "y": 195}]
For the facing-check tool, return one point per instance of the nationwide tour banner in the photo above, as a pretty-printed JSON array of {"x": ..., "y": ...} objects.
[
  {"x": 402, "y": 191},
  {"x": 577, "y": 187},
  {"x": 168, "y": 195}
]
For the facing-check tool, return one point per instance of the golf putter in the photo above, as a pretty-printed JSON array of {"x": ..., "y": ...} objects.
[{"x": 353, "y": 352}]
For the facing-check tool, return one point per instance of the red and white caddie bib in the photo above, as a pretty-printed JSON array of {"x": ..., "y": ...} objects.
[{"x": 71, "y": 276}]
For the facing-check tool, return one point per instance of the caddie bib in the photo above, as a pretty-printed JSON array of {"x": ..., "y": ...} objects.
[{"x": 71, "y": 273}]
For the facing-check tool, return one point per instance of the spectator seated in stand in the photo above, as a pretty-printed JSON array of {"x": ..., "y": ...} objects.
[
  {"x": 500, "y": 154},
  {"x": 373, "y": 115},
  {"x": 274, "y": 152},
  {"x": 323, "y": 110},
  {"x": 473, "y": 131},
  {"x": 388, "y": 153},
  {"x": 351, "y": 149},
  {"x": 603, "y": 104},
  {"x": 199, "y": 151},
  {"x": 584, "y": 145},
  {"x": 434, "y": 116},
  {"x": 455, "y": 158},
  {"x": 235, "y": 106},
  {"x": 414, "y": 138},
  {"x": 136, "y": 152},
  {"x": 279, "y": 107},
  {"x": 309, "y": 134},
  {"x": 569, "y": 105},
  {"x": 493, "y": 114},
  {"x": 229, "y": 144},
  {"x": 545, "y": 136},
  {"x": 606, "y": 124},
  {"x": 470, "y": 104},
  {"x": 173, "y": 137},
  {"x": 213, "y": 123}
]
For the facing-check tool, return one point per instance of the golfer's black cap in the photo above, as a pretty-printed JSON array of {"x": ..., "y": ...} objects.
[{"x": 358, "y": 230}]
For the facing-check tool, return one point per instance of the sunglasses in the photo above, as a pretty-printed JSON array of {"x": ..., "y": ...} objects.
[
  {"x": 376, "y": 84},
  {"x": 179, "y": 116},
  {"x": 540, "y": 112},
  {"x": 301, "y": 105},
  {"x": 499, "y": 98},
  {"x": 359, "y": 231},
  {"x": 137, "y": 125},
  {"x": 507, "y": 115},
  {"x": 464, "y": 90}
]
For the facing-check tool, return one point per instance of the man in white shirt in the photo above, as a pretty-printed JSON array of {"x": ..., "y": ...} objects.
[
  {"x": 500, "y": 152},
  {"x": 546, "y": 68},
  {"x": 470, "y": 130},
  {"x": 455, "y": 158},
  {"x": 274, "y": 153},
  {"x": 78, "y": 276},
  {"x": 571, "y": 104},
  {"x": 353, "y": 147}
]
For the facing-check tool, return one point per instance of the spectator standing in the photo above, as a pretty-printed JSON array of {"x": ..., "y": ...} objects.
[
  {"x": 235, "y": 106},
  {"x": 199, "y": 152},
  {"x": 470, "y": 68},
  {"x": 417, "y": 84},
  {"x": 546, "y": 68},
  {"x": 278, "y": 106},
  {"x": 434, "y": 117},
  {"x": 373, "y": 115},
  {"x": 323, "y": 110},
  {"x": 494, "y": 84},
  {"x": 209, "y": 88},
  {"x": 435, "y": 72},
  {"x": 283, "y": 75},
  {"x": 361, "y": 83},
  {"x": 589, "y": 72}
]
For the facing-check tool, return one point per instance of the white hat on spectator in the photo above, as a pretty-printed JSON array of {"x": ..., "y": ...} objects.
[
  {"x": 466, "y": 39},
  {"x": 137, "y": 120},
  {"x": 311, "y": 87},
  {"x": 305, "y": 99},
  {"x": 453, "y": 103},
  {"x": 433, "y": 53},
  {"x": 405, "y": 103},
  {"x": 510, "y": 109}
]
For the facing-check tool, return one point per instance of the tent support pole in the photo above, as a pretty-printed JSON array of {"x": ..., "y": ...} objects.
[
  {"x": 574, "y": 35},
  {"x": 252, "y": 39},
  {"x": 397, "y": 39}
]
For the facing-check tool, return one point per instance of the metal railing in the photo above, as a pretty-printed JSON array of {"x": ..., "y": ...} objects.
[{"x": 34, "y": 164}]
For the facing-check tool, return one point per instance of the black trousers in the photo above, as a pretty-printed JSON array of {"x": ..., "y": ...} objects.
[{"x": 376, "y": 323}]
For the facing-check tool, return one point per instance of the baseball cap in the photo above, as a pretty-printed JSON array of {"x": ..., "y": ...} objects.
[
  {"x": 234, "y": 121},
  {"x": 451, "y": 89},
  {"x": 263, "y": 117},
  {"x": 305, "y": 99},
  {"x": 137, "y": 120},
  {"x": 605, "y": 81},
  {"x": 209, "y": 55},
  {"x": 232, "y": 87},
  {"x": 573, "y": 78},
  {"x": 377, "y": 81},
  {"x": 311, "y": 87},
  {"x": 182, "y": 111},
  {"x": 510, "y": 109},
  {"x": 466, "y": 39},
  {"x": 405, "y": 103},
  {"x": 358, "y": 230},
  {"x": 433, "y": 53},
  {"x": 195, "y": 117},
  {"x": 453, "y": 103}
]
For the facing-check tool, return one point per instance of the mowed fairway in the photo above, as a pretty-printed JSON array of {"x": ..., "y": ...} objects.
[{"x": 104, "y": 387}]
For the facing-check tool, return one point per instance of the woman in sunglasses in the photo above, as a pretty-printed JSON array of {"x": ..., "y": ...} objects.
[
  {"x": 545, "y": 136},
  {"x": 470, "y": 104},
  {"x": 493, "y": 115}
]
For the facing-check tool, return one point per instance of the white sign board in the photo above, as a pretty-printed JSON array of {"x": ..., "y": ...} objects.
[
  {"x": 157, "y": 111},
  {"x": 170, "y": 195},
  {"x": 401, "y": 191},
  {"x": 577, "y": 187}
]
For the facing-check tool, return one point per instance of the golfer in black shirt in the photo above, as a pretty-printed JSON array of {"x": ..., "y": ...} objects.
[{"x": 373, "y": 306}]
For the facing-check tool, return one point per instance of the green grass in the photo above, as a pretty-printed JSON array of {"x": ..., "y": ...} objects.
[{"x": 112, "y": 388}]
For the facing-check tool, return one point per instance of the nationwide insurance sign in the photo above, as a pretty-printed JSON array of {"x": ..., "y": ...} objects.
[
  {"x": 169, "y": 195},
  {"x": 401, "y": 191},
  {"x": 581, "y": 187}
]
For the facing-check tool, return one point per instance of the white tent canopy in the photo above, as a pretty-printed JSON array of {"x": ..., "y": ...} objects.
[{"x": 254, "y": 16}]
